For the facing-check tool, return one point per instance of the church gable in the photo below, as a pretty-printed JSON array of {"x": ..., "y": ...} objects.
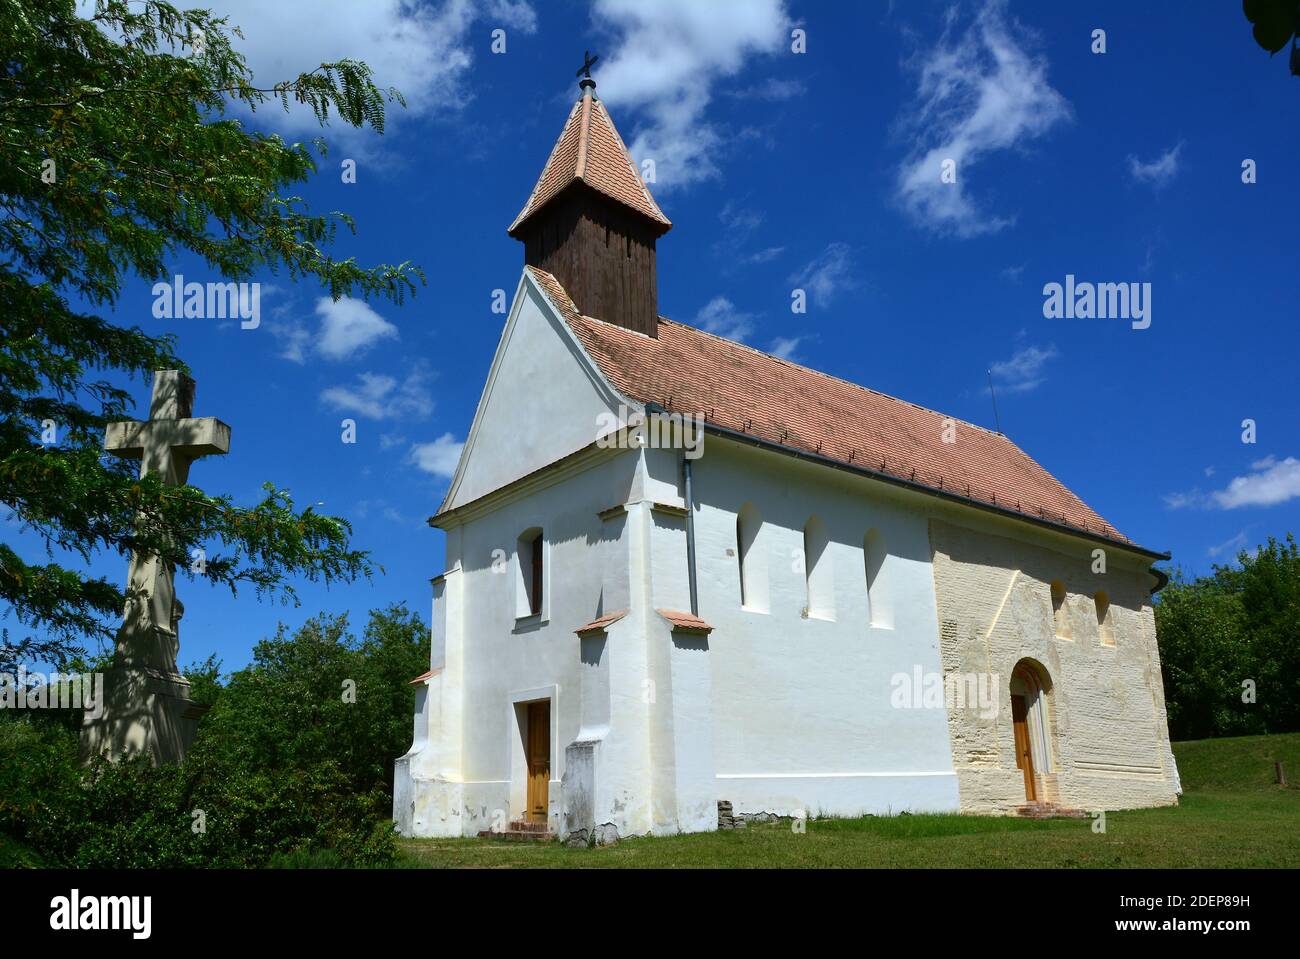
[{"x": 543, "y": 400}]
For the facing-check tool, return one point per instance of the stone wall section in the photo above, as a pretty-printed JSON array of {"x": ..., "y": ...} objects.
[{"x": 1108, "y": 739}]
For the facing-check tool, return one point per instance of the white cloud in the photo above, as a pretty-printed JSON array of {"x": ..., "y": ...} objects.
[
  {"x": 518, "y": 14},
  {"x": 1158, "y": 172},
  {"x": 827, "y": 274},
  {"x": 720, "y": 316},
  {"x": 423, "y": 49},
  {"x": 295, "y": 339},
  {"x": 1271, "y": 481},
  {"x": 784, "y": 347},
  {"x": 739, "y": 222},
  {"x": 1232, "y": 546},
  {"x": 666, "y": 57},
  {"x": 977, "y": 92},
  {"x": 438, "y": 458},
  {"x": 380, "y": 397},
  {"x": 1185, "y": 500},
  {"x": 1024, "y": 370},
  {"x": 349, "y": 327},
  {"x": 765, "y": 255}
]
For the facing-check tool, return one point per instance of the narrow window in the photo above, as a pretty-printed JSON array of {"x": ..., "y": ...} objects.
[
  {"x": 531, "y": 554},
  {"x": 1060, "y": 612},
  {"x": 535, "y": 593},
  {"x": 750, "y": 559},
  {"x": 818, "y": 579},
  {"x": 1105, "y": 627},
  {"x": 879, "y": 610},
  {"x": 740, "y": 553}
]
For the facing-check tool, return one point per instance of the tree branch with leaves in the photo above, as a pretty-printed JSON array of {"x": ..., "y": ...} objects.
[
  {"x": 1276, "y": 23},
  {"x": 118, "y": 157}
]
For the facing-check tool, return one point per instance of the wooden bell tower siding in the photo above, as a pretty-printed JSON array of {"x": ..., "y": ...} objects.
[
  {"x": 602, "y": 253},
  {"x": 592, "y": 224}
]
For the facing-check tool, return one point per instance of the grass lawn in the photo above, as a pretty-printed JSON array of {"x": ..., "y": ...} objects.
[{"x": 1231, "y": 815}]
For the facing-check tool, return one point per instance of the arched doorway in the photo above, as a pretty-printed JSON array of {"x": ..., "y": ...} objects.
[{"x": 1030, "y": 689}]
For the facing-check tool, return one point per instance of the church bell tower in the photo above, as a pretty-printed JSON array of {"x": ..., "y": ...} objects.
[{"x": 591, "y": 223}]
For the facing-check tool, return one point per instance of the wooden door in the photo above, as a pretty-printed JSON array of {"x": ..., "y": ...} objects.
[
  {"x": 1024, "y": 755},
  {"x": 539, "y": 760}
]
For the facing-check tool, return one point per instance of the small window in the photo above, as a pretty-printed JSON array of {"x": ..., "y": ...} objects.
[
  {"x": 531, "y": 553},
  {"x": 1105, "y": 626},
  {"x": 879, "y": 611},
  {"x": 1060, "y": 612},
  {"x": 752, "y": 568},
  {"x": 818, "y": 578}
]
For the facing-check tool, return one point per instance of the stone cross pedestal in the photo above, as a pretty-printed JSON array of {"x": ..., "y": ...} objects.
[{"x": 147, "y": 708}]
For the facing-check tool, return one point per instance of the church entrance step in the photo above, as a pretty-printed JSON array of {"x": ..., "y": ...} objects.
[
  {"x": 521, "y": 832},
  {"x": 1045, "y": 810}
]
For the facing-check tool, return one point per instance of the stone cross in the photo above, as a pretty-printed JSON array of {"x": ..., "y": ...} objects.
[{"x": 166, "y": 444}]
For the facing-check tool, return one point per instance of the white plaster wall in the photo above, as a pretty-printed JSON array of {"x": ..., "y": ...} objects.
[
  {"x": 1108, "y": 732},
  {"x": 541, "y": 402},
  {"x": 428, "y": 785},
  {"x": 802, "y": 714},
  {"x": 506, "y": 656}
]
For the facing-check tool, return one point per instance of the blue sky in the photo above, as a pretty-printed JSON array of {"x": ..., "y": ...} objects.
[{"x": 782, "y": 170}]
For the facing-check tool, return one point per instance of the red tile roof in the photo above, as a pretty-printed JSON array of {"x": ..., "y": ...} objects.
[
  {"x": 602, "y": 622},
  {"x": 589, "y": 149},
  {"x": 685, "y": 621},
  {"x": 739, "y": 389}
]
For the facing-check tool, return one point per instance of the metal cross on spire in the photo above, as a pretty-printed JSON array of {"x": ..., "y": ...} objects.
[{"x": 586, "y": 85}]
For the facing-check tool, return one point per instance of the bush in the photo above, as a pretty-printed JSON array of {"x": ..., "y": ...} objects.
[
  {"x": 40, "y": 786},
  {"x": 1218, "y": 631},
  {"x": 285, "y": 769}
]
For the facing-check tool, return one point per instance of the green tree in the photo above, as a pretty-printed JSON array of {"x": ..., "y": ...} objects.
[
  {"x": 318, "y": 694},
  {"x": 1241, "y": 623},
  {"x": 293, "y": 763},
  {"x": 117, "y": 157}
]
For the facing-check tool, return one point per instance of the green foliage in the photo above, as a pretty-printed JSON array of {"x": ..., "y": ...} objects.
[
  {"x": 40, "y": 785},
  {"x": 205, "y": 680},
  {"x": 1240, "y": 623},
  {"x": 283, "y": 771},
  {"x": 291, "y": 709},
  {"x": 119, "y": 157},
  {"x": 1276, "y": 23}
]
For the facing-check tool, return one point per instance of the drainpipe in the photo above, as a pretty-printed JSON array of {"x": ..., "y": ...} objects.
[{"x": 690, "y": 534}]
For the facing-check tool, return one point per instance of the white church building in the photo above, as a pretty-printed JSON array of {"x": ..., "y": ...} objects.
[{"x": 681, "y": 572}]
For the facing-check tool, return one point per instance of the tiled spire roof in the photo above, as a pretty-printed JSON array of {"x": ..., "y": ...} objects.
[{"x": 589, "y": 149}]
